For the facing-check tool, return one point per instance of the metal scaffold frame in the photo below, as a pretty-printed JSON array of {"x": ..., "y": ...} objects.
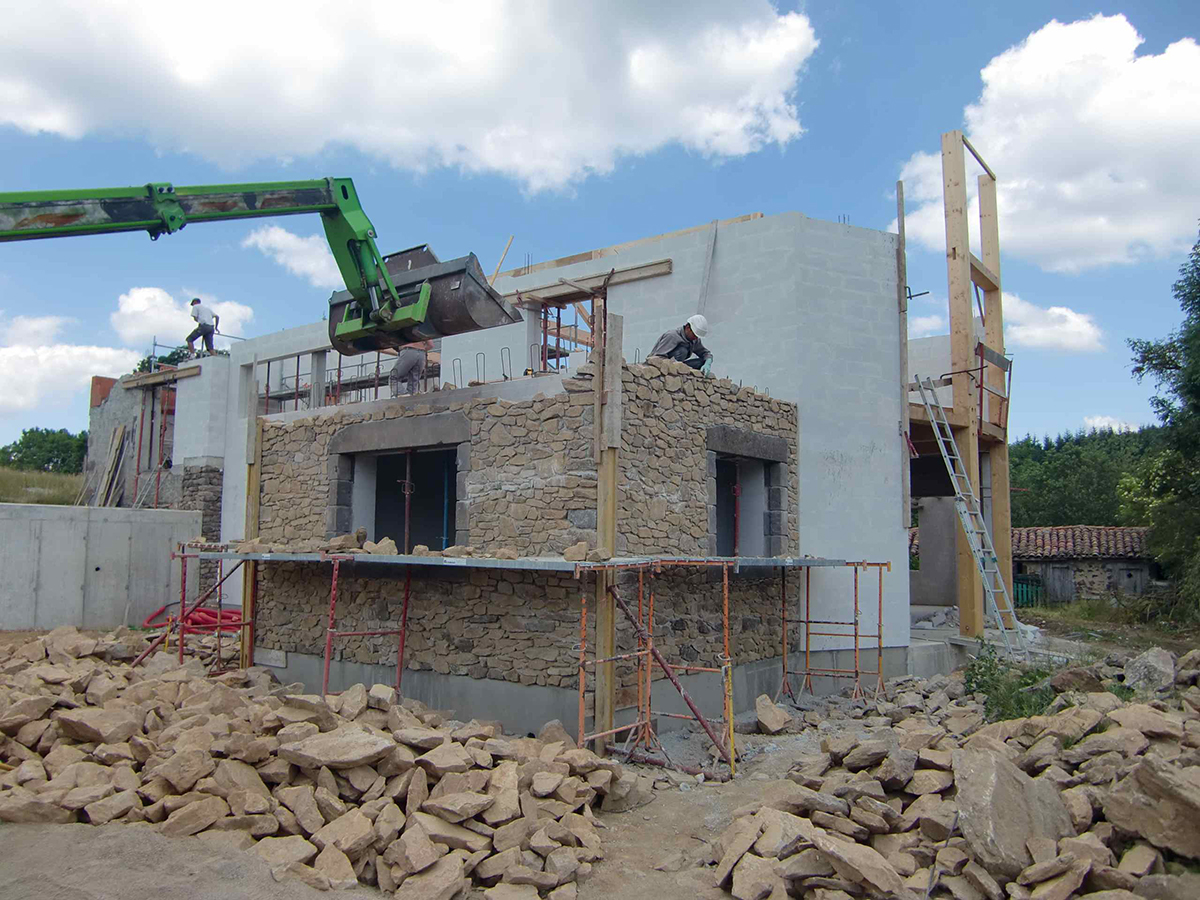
[{"x": 641, "y": 737}]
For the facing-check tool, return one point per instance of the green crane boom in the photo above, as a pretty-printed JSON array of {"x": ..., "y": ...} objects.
[{"x": 376, "y": 311}]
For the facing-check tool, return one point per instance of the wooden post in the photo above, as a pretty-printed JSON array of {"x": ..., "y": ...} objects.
[
  {"x": 962, "y": 358},
  {"x": 902, "y": 301},
  {"x": 607, "y": 415},
  {"x": 253, "y": 484},
  {"x": 993, "y": 310}
]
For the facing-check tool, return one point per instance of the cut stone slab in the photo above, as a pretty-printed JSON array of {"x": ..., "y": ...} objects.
[
  {"x": 754, "y": 878},
  {"x": 511, "y": 892},
  {"x": 867, "y": 753},
  {"x": 1000, "y": 807},
  {"x": 781, "y": 833},
  {"x": 1161, "y": 802},
  {"x": 302, "y": 873},
  {"x": 1141, "y": 859},
  {"x": 772, "y": 718},
  {"x": 351, "y": 833},
  {"x": 441, "y": 881},
  {"x": 413, "y": 851},
  {"x": 234, "y": 775},
  {"x": 897, "y": 768},
  {"x": 185, "y": 768},
  {"x": 194, "y": 817},
  {"x": 456, "y": 807},
  {"x": 20, "y": 805},
  {"x": 446, "y": 759},
  {"x": 300, "y": 801},
  {"x": 111, "y": 807},
  {"x": 929, "y": 781},
  {"x": 1044, "y": 871},
  {"x": 420, "y": 737},
  {"x": 102, "y": 726},
  {"x": 800, "y": 801},
  {"x": 453, "y": 836},
  {"x": 342, "y": 748},
  {"x": 337, "y": 868},
  {"x": 21, "y": 713},
  {"x": 280, "y": 851},
  {"x": 735, "y": 843},
  {"x": 1148, "y": 720},
  {"x": 1063, "y": 886},
  {"x": 860, "y": 864}
]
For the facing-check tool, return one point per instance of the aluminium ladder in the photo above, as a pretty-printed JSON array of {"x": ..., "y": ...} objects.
[{"x": 995, "y": 591}]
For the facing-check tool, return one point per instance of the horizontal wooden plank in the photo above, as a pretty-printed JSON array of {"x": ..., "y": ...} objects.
[
  {"x": 983, "y": 276},
  {"x": 559, "y": 293},
  {"x": 153, "y": 379}
]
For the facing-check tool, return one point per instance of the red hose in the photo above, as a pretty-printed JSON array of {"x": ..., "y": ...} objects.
[{"x": 201, "y": 619}]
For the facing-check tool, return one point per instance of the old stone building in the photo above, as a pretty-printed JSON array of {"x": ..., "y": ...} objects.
[{"x": 1084, "y": 562}]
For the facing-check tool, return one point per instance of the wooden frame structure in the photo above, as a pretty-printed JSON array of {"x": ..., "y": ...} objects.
[{"x": 979, "y": 371}]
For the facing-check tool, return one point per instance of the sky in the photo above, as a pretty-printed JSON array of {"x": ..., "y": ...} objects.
[{"x": 577, "y": 126}]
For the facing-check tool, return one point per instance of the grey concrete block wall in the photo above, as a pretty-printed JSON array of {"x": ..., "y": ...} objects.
[{"x": 88, "y": 567}]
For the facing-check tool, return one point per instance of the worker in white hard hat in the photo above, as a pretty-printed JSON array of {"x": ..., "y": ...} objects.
[{"x": 683, "y": 345}]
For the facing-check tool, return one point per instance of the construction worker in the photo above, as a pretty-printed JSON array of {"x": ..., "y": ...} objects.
[
  {"x": 405, "y": 376},
  {"x": 207, "y": 323},
  {"x": 683, "y": 345}
]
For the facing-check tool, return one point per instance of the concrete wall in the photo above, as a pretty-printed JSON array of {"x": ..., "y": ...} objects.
[
  {"x": 201, "y": 426},
  {"x": 88, "y": 567},
  {"x": 936, "y": 582},
  {"x": 807, "y": 310}
]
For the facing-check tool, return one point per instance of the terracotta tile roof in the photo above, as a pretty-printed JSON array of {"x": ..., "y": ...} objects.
[
  {"x": 1080, "y": 542},
  {"x": 1070, "y": 542}
]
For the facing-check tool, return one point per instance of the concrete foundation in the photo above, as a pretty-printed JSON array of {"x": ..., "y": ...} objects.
[
  {"x": 525, "y": 708},
  {"x": 88, "y": 567}
]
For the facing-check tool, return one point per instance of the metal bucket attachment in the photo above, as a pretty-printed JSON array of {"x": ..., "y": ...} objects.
[{"x": 439, "y": 299}]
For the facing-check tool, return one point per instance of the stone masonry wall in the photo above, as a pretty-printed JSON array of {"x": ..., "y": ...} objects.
[
  {"x": 515, "y": 626},
  {"x": 528, "y": 481},
  {"x": 200, "y": 489},
  {"x": 664, "y": 491}
]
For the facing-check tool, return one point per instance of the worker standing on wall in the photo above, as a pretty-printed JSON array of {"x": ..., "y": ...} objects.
[
  {"x": 206, "y": 326},
  {"x": 405, "y": 376},
  {"x": 683, "y": 345}
]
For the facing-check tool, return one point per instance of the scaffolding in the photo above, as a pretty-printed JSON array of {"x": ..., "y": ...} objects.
[{"x": 641, "y": 738}]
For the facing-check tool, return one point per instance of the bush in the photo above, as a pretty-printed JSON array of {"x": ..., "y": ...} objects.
[{"x": 1009, "y": 690}]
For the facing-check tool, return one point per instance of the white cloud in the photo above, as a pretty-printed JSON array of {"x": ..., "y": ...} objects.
[
  {"x": 1049, "y": 328},
  {"x": 145, "y": 313},
  {"x": 1093, "y": 145},
  {"x": 546, "y": 93},
  {"x": 32, "y": 330},
  {"x": 924, "y": 326},
  {"x": 1104, "y": 423},
  {"x": 41, "y": 376},
  {"x": 308, "y": 257}
]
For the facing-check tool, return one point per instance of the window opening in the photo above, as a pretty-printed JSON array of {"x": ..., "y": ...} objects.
[{"x": 429, "y": 476}]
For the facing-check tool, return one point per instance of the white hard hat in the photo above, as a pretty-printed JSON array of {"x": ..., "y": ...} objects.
[{"x": 699, "y": 325}]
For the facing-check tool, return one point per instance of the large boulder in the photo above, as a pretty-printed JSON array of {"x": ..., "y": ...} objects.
[
  {"x": 1161, "y": 802},
  {"x": 772, "y": 719},
  {"x": 1000, "y": 808},
  {"x": 1151, "y": 670},
  {"x": 343, "y": 748}
]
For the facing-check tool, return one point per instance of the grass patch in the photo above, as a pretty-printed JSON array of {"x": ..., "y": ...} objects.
[
  {"x": 1124, "y": 691},
  {"x": 1009, "y": 689},
  {"x": 22, "y": 486}
]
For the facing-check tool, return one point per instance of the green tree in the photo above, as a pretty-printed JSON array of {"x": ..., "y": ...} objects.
[
  {"x": 1166, "y": 490},
  {"x": 174, "y": 358},
  {"x": 1073, "y": 479},
  {"x": 46, "y": 450}
]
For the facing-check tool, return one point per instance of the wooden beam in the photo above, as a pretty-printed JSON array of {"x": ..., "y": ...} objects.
[
  {"x": 962, "y": 348},
  {"x": 250, "y": 567},
  {"x": 571, "y": 333},
  {"x": 995, "y": 374},
  {"x": 154, "y": 379},
  {"x": 562, "y": 294},
  {"x": 902, "y": 303},
  {"x": 983, "y": 275}
]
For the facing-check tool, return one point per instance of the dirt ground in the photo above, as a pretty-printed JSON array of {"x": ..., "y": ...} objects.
[{"x": 1110, "y": 637}]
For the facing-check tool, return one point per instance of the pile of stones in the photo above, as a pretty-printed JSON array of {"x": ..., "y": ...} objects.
[
  {"x": 1097, "y": 798},
  {"x": 362, "y": 787}
]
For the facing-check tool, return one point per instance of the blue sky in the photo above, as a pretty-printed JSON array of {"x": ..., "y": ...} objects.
[{"x": 574, "y": 130}]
